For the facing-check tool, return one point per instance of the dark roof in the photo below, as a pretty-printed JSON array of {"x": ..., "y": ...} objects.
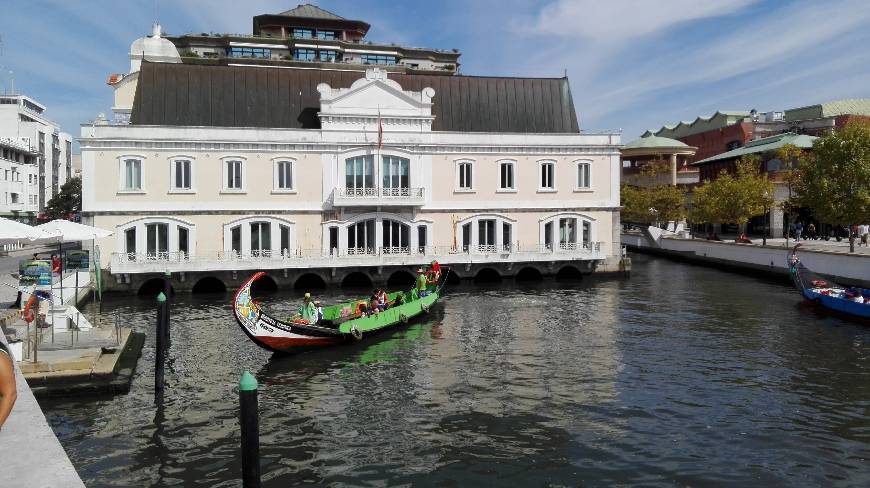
[
  {"x": 239, "y": 96},
  {"x": 311, "y": 12}
]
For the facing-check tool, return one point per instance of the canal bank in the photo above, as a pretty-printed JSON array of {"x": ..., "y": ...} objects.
[
  {"x": 831, "y": 261},
  {"x": 32, "y": 454}
]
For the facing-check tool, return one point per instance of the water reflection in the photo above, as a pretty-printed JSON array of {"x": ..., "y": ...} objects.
[{"x": 678, "y": 375}]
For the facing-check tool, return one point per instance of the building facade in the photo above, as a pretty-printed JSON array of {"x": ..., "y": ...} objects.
[
  {"x": 211, "y": 172},
  {"x": 36, "y": 152}
]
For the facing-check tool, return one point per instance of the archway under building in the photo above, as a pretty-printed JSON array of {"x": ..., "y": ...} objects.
[
  {"x": 453, "y": 278},
  {"x": 569, "y": 273},
  {"x": 309, "y": 281},
  {"x": 529, "y": 274},
  {"x": 266, "y": 284},
  {"x": 401, "y": 278},
  {"x": 487, "y": 275},
  {"x": 357, "y": 279},
  {"x": 153, "y": 287},
  {"x": 209, "y": 284}
]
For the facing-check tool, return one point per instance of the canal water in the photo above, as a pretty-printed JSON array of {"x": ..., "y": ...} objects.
[{"x": 679, "y": 375}]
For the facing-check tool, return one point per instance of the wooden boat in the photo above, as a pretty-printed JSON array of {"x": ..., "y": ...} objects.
[
  {"x": 344, "y": 322},
  {"x": 826, "y": 294}
]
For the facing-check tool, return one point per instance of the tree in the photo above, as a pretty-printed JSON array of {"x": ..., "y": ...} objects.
[
  {"x": 733, "y": 198},
  {"x": 790, "y": 155},
  {"x": 835, "y": 177},
  {"x": 67, "y": 201},
  {"x": 657, "y": 203}
]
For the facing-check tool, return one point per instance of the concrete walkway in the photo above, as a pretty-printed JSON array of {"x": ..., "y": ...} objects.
[{"x": 32, "y": 455}]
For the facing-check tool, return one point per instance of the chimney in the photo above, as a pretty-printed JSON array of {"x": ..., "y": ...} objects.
[{"x": 155, "y": 30}]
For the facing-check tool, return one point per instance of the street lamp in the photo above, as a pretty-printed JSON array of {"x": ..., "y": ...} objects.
[{"x": 766, "y": 219}]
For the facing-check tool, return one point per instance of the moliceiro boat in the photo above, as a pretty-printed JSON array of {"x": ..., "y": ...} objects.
[
  {"x": 344, "y": 322},
  {"x": 848, "y": 302}
]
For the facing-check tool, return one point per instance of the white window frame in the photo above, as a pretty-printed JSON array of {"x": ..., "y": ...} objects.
[
  {"x": 122, "y": 173},
  {"x": 276, "y": 162},
  {"x": 554, "y": 219},
  {"x": 473, "y": 241},
  {"x": 544, "y": 189},
  {"x": 172, "y": 183},
  {"x": 224, "y": 167},
  {"x": 274, "y": 236},
  {"x": 457, "y": 166},
  {"x": 513, "y": 164},
  {"x": 579, "y": 165},
  {"x": 172, "y": 236}
]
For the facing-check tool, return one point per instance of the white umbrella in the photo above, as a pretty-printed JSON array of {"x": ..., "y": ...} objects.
[
  {"x": 12, "y": 231},
  {"x": 68, "y": 231}
]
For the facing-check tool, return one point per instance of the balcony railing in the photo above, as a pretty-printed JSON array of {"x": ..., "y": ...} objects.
[
  {"x": 362, "y": 256},
  {"x": 349, "y": 197}
]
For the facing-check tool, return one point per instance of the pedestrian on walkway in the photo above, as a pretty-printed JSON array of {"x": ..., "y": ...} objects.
[
  {"x": 798, "y": 229},
  {"x": 811, "y": 231}
]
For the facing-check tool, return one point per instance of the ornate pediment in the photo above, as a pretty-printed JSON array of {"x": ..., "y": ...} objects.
[{"x": 371, "y": 97}]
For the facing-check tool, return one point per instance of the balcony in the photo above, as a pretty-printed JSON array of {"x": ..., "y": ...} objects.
[
  {"x": 348, "y": 258},
  {"x": 367, "y": 197}
]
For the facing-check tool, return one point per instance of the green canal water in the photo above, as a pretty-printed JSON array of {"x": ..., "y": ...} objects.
[{"x": 678, "y": 375}]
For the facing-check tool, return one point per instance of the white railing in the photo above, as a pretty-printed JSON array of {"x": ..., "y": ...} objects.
[
  {"x": 378, "y": 196},
  {"x": 348, "y": 257}
]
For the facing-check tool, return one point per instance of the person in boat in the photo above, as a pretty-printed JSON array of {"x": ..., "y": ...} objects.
[
  {"x": 373, "y": 303},
  {"x": 307, "y": 310},
  {"x": 318, "y": 310},
  {"x": 422, "y": 284},
  {"x": 381, "y": 300},
  {"x": 434, "y": 272}
]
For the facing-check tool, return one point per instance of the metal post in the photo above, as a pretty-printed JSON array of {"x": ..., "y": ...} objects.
[
  {"x": 167, "y": 291},
  {"x": 76, "y": 300},
  {"x": 160, "y": 353},
  {"x": 248, "y": 419}
]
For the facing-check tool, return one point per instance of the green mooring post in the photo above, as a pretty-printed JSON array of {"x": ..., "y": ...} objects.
[
  {"x": 248, "y": 418},
  {"x": 167, "y": 291},
  {"x": 160, "y": 349}
]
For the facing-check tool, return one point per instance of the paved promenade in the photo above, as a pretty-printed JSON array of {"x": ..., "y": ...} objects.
[{"x": 32, "y": 455}]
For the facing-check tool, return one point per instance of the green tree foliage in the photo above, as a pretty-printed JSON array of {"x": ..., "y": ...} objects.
[
  {"x": 67, "y": 201},
  {"x": 834, "y": 179},
  {"x": 659, "y": 203},
  {"x": 734, "y": 199}
]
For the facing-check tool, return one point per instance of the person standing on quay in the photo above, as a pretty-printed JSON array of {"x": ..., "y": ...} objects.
[
  {"x": 798, "y": 229},
  {"x": 8, "y": 393}
]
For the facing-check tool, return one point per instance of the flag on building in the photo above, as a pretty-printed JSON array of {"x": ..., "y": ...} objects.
[{"x": 380, "y": 131}]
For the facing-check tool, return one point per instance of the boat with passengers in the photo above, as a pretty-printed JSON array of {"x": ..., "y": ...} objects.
[
  {"x": 340, "y": 323},
  {"x": 849, "y": 302}
]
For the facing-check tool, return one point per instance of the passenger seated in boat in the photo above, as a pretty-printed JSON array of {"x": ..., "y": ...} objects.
[
  {"x": 381, "y": 301},
  {"x": 307, "y": 310},
  {"x": 374, "y": 306},
  {"x": 400, "y": 300},
  {"x": 434, "y": 272},
  {"x": 318, "y": 311}
]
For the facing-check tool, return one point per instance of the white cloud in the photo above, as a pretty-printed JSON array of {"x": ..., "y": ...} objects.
[{"x": 621, "y": 20}]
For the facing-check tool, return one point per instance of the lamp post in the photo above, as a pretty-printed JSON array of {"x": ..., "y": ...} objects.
[{"x": 766, "y": 219}]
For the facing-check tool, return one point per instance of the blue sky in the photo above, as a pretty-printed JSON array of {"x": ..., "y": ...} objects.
[{"x": 633, "y": 64}]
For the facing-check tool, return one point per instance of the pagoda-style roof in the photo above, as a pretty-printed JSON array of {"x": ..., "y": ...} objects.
[
  {"x": 311, "y": 16},
  {"x": 650, "y": 145},
  {"x": 311, "y": 12}
]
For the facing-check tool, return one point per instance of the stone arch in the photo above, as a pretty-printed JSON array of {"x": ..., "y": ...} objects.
[
  {"x": 266, "y": 284},
  {"x": 401, "y": 278},
  {"x": 487, "y": 275},
  {"x": 309, "y": 281},
  {"x": 209, "y": 284},
  {"x": 357, "y": 279},
  {"x": 569, "y": 272},
  {"x": 529, "y": 274},
  {"x": 152, "y": 287}
]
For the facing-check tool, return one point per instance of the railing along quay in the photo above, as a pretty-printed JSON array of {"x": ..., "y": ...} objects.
[{"x": 338, "y": 258}]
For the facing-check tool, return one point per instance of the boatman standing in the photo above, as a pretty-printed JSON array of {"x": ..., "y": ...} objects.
[
  {"x": 421, "y": 283},
  {"x": 307, "y": 310}
]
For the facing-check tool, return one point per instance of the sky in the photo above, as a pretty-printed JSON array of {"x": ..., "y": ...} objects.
[{"x": 632, "y": 64}]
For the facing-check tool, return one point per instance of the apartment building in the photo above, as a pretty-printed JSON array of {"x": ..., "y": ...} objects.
[{"x": 35, "y": 151}]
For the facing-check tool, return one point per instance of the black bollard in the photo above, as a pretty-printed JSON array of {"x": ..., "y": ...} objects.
[
  {"x": 160, "y": 352},
  {"x": 167, "y": 291},
  {"x": 248, "y": 418}
]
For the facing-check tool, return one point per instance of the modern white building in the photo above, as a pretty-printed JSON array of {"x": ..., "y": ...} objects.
[
  {"x": 339, "y": 176},
  {"x": 35, "y": 151}
]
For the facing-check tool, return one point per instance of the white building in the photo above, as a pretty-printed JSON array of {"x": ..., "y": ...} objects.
[
  {"x": 41, "y": 149},
  {"x": 325, "y": 175}
]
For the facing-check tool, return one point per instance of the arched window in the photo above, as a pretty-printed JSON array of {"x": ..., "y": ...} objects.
[
  {"x": 566, "y": 232},
  {"x": 260, "y": 237},
  {"x": 464, "y": 175},
  {"x": 377, "y": 233},
  {"x": 157, "y": 238},
  {"x": 486, "y": 233}
]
